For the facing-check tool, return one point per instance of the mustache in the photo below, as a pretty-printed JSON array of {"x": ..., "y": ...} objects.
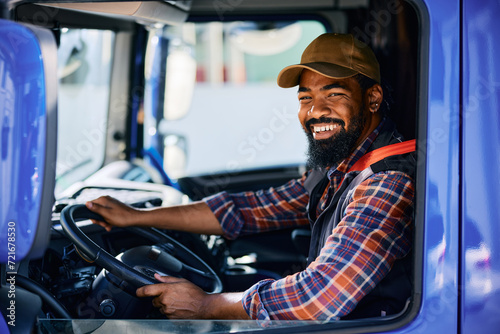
[{"x": 324, "y": 120}]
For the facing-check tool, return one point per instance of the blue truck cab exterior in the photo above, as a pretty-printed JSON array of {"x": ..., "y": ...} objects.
[
  {"x": 458, "y": 216},
  {"x": 480, "y": 141},
  {"x": 28, "y": 138},
  {"x": 28, "y": 132}
]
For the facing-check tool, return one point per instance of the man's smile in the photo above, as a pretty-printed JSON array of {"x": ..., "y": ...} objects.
[{"x": 324, "y": 131}]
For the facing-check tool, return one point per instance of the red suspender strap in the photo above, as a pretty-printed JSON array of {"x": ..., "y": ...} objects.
[{"x": 383, "y": 152}]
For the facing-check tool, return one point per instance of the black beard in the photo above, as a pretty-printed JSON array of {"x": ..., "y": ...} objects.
[{"x": 330, "y": 152}]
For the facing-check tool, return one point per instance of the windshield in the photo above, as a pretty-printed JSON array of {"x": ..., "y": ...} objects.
[
  {"x": 84, "y": 68},
  {"x": 238, "y": 118}
]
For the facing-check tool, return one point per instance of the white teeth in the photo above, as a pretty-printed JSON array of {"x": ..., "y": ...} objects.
[{"x": 325, "y": 128}]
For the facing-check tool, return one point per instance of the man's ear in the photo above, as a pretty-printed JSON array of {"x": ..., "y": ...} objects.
[{"x": 375, "y": 95}]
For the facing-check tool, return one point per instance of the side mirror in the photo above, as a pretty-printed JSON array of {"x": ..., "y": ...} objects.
[
  {"x": 170, "y": 80},
  {"x": 179, "y": 81},
  {"x": 175, "y": 148},
  {"x": 170, "y": 74}
]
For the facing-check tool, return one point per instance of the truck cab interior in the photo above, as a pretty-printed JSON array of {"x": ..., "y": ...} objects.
[{"x": 160, "y": 103}]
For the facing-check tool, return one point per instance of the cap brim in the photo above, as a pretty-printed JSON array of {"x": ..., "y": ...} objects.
[{"x": 290, "y": 75}]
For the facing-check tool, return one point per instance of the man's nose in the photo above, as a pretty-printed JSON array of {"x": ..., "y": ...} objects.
[{"x": 320, "y": 108}]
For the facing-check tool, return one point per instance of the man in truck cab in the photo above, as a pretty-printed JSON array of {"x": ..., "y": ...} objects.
[{"x": 357, "y": 197}]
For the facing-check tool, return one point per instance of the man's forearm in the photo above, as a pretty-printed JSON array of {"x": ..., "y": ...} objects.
[{"x": 195, "y": 217}]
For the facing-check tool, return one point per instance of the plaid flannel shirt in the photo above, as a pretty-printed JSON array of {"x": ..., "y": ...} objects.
[{"x": 375, "y": 231}]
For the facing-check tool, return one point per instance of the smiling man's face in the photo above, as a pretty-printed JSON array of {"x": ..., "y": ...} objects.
[{"x": 335, "y": 115}]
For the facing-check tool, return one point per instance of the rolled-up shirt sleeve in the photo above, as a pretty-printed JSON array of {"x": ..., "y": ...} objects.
[
  {"x": 375, "y": 231},
  {"x": 264, "y": 210}
]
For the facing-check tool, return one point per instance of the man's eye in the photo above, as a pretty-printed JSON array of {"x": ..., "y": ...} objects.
[
  {"x": 335, "y": 94},
  {"x": 304, "y": 98}
]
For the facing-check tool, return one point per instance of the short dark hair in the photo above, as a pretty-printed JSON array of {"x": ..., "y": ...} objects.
[{"x": 365, "y": 83}]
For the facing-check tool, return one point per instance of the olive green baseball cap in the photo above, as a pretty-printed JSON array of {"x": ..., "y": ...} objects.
[{"x": 335, "y": 56}]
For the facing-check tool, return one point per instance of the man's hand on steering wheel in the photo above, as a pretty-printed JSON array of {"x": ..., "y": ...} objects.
[
  {"x": 114, "y": 212},
  {"x": 177, "y": 298}
]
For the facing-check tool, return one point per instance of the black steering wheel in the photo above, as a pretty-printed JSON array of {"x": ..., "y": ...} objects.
[{"x": 136, "y": 267}]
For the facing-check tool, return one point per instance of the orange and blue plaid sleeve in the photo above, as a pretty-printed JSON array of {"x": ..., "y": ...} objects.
[
  {"x": 375, "y": 231},
  {"x": 264, "y": 210}
]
